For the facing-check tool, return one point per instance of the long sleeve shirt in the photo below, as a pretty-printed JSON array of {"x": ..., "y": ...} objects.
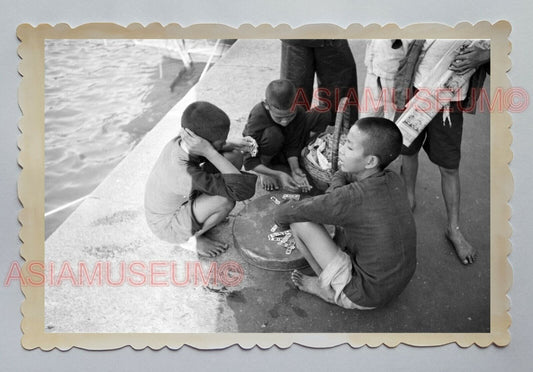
[
  {"x": 379, "y": 229},
  {"x": 176, "y": 176},
  {"x": 295, "y": 134}
]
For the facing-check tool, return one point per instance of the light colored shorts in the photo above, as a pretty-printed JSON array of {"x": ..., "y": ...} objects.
[
  {"x": 177, "y": 227},
  {"x": 337, "y": 274}
]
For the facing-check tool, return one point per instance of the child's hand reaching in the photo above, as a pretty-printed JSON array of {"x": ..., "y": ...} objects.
[
  {"x": 301, "y": 179},
  {"x": 195, "y": 144},
  {"x": 245, "y": 144},
  {"x": 287, "y": 182},
  {"x": 469, "y": 58}
]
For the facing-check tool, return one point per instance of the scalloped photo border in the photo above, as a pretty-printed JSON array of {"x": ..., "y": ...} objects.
[{"x": 31, "y": 184}]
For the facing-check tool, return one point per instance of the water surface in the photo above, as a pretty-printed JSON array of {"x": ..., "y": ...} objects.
[{"x": 101, "y": 98}]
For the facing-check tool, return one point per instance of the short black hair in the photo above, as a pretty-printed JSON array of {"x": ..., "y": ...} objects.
[
  {"x": 383, "y": 139},
  {"x": 280, "y": 93},
  {"x": 206, "y": 120}
]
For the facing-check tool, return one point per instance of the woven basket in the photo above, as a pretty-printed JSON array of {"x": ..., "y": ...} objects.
[{"x": 323, "y": 177}]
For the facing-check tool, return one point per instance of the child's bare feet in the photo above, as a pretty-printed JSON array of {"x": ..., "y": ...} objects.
[
  {"x": 205, "y": 247},
  {"x": 209, "y": 248},
  {"x": 310, "y": 285},
  {"x": 269, "y": 183},
  {"x": 463, "y": 249}
]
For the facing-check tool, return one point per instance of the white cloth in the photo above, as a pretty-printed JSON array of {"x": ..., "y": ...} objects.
[{"x": 336, "y": 275}]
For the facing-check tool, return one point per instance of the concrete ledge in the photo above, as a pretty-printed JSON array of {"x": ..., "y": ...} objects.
[{"x": 110, "y": 227}]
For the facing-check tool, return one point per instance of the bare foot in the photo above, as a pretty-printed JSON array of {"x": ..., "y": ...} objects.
[
  {"x": 269, "y": 183},
  {"x": 463, "y": 249},
  {"x": 205, "y": 247},
  {"x": 209, "y": 248},
  {"x": 310, "y": 285}
]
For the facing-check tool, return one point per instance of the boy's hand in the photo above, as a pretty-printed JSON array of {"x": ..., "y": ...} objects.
[
  {"x": 301, "y": 179},
  {"x": 287, "y": 182},
  {"x": 245, "y": 144},
  {"x": 196, "y": 144},
  {"x": 469, "y": 58}
]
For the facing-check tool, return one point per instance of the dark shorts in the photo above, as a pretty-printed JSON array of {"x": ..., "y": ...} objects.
[{"x": 442, "y": 142}]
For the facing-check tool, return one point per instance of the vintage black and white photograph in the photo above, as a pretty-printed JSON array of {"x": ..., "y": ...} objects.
[{"x": 268, "y": 186}]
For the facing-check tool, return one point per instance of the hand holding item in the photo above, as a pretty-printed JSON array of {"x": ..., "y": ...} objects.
[
  {"x": 287, "y": 182},
  {"x": 470, "y": 58},
  {"x": 245, "y": 144},
  {"x": 301, "y": 179}
]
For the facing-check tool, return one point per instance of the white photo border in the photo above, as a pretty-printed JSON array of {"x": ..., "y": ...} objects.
[{"x": 31, "y": 184}]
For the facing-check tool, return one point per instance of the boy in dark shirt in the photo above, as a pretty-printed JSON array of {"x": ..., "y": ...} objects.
[
  {"x": 196, "y": 180},
  {"x": 369, "y": 206},
  {"x": 281, "y": 131}
]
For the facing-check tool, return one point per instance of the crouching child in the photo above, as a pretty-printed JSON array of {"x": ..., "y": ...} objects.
[
  {"x": 196, "y": 181},
  {"x": 281, "y": 130},
  {"x": 373, "y": 255}
]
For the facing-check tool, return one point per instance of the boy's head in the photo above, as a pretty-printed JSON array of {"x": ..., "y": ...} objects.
[
  {"x": 207, "y": 121},
  {"x": 279, "y": 99},
  {"x": 371, "y": 143}
]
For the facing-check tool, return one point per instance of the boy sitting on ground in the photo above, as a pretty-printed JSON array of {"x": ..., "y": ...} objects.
[
  {"x": 373, "y": 256},
  {"x": 281, "y": 131},
  {"x": 196, "y": 180}
]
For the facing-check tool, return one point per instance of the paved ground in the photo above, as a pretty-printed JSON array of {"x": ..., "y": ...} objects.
[{"x": 109, "y": 227}]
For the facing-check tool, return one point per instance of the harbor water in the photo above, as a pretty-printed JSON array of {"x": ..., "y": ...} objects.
[{"x": 101, "y": 97}]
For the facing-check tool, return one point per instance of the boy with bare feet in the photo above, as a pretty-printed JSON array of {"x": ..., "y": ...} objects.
[
  {"x": 196, "y": 180},
  {"x": 373, "y": 256},
  {"x": 281, "y": 130},
  {"x": 441, "y": 139}
]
